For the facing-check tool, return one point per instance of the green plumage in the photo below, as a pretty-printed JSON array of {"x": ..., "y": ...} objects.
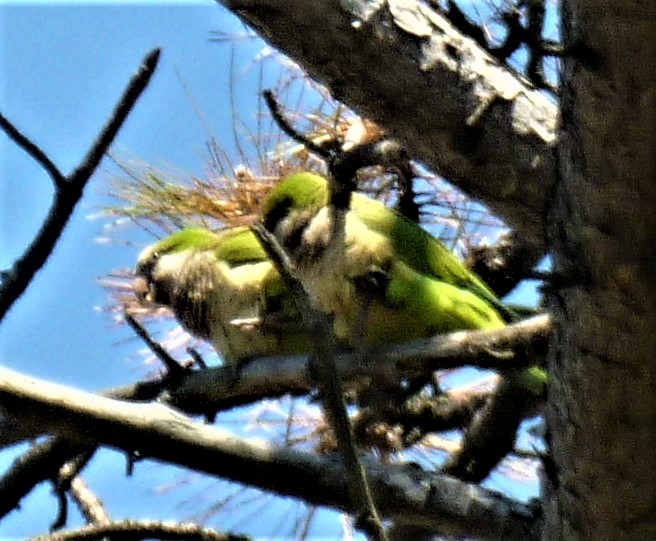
[
  {"x": 387, "y": 280},
  {"x": 414, "y": 285},
  {"x": 222, "y": 288}
]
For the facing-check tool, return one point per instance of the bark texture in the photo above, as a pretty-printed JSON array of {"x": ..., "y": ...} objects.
[
  {"x": 602, "y": 399},
  {"x": 403, "y": 65},
  {"x": 403, "y": 492}
]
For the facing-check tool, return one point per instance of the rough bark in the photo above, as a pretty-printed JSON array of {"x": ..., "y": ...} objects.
[
  {"x": 211, "y": 390},
  {"x": 403, "y": 492},
  {"x": 602, "y": 404},
  {"x": 456, "y": 109}
]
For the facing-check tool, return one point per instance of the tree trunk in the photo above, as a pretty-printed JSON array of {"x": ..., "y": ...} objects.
[{"x": 602, "y": 397}]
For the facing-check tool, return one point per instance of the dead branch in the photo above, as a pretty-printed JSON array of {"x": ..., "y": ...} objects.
[
  {"x": 452, "y": 105},
  {"x": 402, "y": 492},
  {"x": 68, "y": 189}
]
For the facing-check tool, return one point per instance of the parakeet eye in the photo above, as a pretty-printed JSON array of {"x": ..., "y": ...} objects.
[
  {"x": 145, "y": 268},
  {"x": 277, "y": 213}
]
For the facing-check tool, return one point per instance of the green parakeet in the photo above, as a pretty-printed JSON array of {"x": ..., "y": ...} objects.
[
  {"x": 387, "y": 280},
  {"x": 222, "y": 287}
]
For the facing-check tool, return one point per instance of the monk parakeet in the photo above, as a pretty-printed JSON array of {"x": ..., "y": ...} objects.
[
  {"x": 222, "y": 287},
  {"x": 387, "y": 280}
]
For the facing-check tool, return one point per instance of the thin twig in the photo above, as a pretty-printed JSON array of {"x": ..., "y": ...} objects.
[
  {"x": 286, "y": 127},
  {"x": 88, "y": 503},
  {"x": 344, "y": 164},
  {"x": 332, "y": 392},
  {"x": 64, "y": 481},
  {"x": 492, "y": 434},
  {"x": 135, "y": 88},
  {"x": 68, "y": 190},
  {"x": 174, "y": 368},
  {"x": 33, "y": 150},
  {"x": 197, "y": 357},
  {"x": 141, "y": 529}
]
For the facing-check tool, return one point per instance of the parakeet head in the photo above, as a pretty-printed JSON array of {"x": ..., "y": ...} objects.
[
  {"x": 221, "y": 287},
  {"x": 297, "y": 192},
  {"x": 159, "y": 264}
]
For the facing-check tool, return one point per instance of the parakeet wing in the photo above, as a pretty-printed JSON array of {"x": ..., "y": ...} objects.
[
  {"x": 238, "y": 246},
  {"x": 410, "y": 242},
  {"x": 421, "y": 251}
]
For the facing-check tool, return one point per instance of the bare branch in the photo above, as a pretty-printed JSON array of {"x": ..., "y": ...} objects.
[
  {"x": 91, "y": 507},
  {"x": 33, "y": 150},
  {"x": 175, "y": 370},
  {"x": 344, "y": 163},
  {"x": 64, "y": 483},
  {"x": 287, "y": 128},
  {"x": 513, "y": 347},
  {"x": 492, "y": 434},
  {"x": 324, "y": 369},
  {"x": 214, "y": 389},
  {"x": 402, "y": 492},
  {"x": 129, "y": 530},
  {"x": 43, "y": 461},
  {"x": 68, "y": 190},
  {"x": 453, "y": 106},
  {"x": 38, "y": 464}
]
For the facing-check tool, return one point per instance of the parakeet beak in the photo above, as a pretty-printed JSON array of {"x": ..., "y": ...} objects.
[
  {"x": 150, "y": 286},
  {"x": 143, "y": 285},
  {"x": 141, "y": 289}
]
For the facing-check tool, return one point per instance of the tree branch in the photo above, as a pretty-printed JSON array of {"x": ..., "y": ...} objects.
[
  {"x": 28, "y": 146},
  {"x": 215, "y": 389},
  {"x": 43, "y": 460},
  {"x": 129, "y": 530},
  {"x": 453, "y": 106},
  {"x": 174, "y": 369},
  {"x": 516, "y": 346},
  {"x": 324, "y": 371},
  {"x": 40, "y": 463},
  {"x": 403, "y": 492},
  {"x": 68, "y": 189},
  {"x": 492, "y": 434},
  {"x": 92, "y": 508}
]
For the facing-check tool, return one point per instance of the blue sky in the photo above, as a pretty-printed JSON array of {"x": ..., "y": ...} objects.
[{"x": 63, "y": 69}]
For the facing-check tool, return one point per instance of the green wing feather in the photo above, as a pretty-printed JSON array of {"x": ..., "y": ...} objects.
[
  {"x": 410, "y": 243},
  {"x": 419, "y": 250},
  {"x": 425, "y": 288}
]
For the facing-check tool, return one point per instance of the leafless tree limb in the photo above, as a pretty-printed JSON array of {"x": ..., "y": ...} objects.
[
  {"x": 402, "y": 492},
  {"x": 515, "y": 346},
  {"x": 492, "y": 434},
  {"x": 324, "y": 370},
  {"x": 175, "y": 370},
  {"x": 91, "y": 507},
  {"x": 128, "y": 530},
  {"x": 43, "y": 460},
  {"x": 215, "y": 389},
  {"x": 28, "y": 146},
  {"x": 68, "y": 189},
  {"x": 454, "y": 107}
]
